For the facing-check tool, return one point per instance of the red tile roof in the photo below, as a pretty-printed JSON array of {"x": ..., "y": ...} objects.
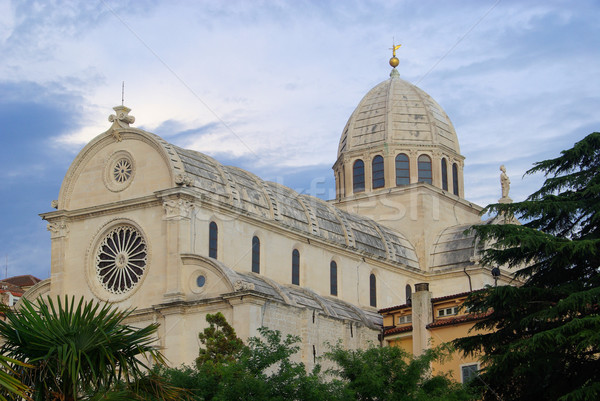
[
  {"x": 8, "y": 287},
  {"x": 26, "y": 280},
  {"x": 392, "y": 308},
  {"x": 15, "y": 293},
  {"x": 396, "y": 330},
  {"x": 459, "y": 295},
  {"x": 437, "y": 299},
  {"x": 457, "y": 320}
]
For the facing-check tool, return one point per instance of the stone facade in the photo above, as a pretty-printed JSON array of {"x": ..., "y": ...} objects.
[{"x": 144, "y": 224}]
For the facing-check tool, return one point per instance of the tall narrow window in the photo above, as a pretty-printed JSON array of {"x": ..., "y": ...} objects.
[
  {"x": 402, "y": 170},
  {"x": 455, "y": 178},
  {"x": 255, "y": 254},
  {"x": 408, "y": 294},
  {"x": 444, "y": 175},
  {"x": 296, "y": 267},
  {"x": 424, "y": 163},
  {"x": 358, "y": 176},
  {"x": 378, "y": 175},
  {"x": 373, "y": 290},
  {"x": 333, "y": 278},
  {"x": 213, "y": 235}
]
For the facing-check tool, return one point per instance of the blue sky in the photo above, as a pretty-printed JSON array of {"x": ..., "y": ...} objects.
[{"x": 269, "y": 85}]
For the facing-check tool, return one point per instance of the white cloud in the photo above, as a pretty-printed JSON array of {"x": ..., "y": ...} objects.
[
  {"x": 518, "y": 83},
  {"x": 7, "y": 20}
]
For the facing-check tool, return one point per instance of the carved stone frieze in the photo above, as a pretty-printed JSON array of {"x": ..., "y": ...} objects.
[
  {"x": 58, "y": 229},
  {"x": 243, "y": 286},
  {"x": 475, "y": 259},
  {"x": 177, "y": 208},
  {"x": 183, "y": 180}
]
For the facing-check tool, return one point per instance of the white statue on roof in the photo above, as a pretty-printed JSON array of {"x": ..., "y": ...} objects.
[{"x": 505, "y": 184}]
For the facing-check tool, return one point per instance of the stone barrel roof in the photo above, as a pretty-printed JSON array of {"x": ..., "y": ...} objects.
[
  {"x": 296, "y": 295},
  {"x": 454, "y": 249},
  {"x": 247, "y": 193}
]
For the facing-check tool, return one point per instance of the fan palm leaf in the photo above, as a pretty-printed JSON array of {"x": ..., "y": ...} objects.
[{"x": 76, "y": 347}]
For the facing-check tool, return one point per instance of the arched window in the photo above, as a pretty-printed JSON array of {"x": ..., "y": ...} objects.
[
  {"x": 455, "y": 178},
  {"x": 424, "y": 163},
  {"x": 333, "y": 278},
  {"x": 255, "y": 254},
  {"x": 408, "y": 294},
  {"x": 358, "y": 176},
  {"x": 444, "y": 175},
  {"x": 296, "y": 267},
  {"x": 402, "y": 170},
  {"x": 373, "y": 290},
  {"x": 213, "y": 236},
  {"x": 378, "y": 175}
]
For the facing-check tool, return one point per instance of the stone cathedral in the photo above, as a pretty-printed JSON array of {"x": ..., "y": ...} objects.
[{"x": 142, "y": 223}]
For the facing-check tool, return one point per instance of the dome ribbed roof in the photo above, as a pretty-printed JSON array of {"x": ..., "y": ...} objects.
[{"x": 396, "y": 112}]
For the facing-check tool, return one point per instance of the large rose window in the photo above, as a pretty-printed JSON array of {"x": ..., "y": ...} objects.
[{"x": 121, "y": 259}]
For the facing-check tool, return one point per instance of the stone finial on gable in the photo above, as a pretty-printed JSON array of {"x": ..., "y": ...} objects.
[{"x": 121, "y": 119}]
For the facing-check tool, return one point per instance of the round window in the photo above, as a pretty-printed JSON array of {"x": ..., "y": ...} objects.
[
  {"x": 122, "y": 170},
  {"x": 121, "y": 259},
  {"x": 200, "y": 281},
  {"x": 119, "y": 171}
]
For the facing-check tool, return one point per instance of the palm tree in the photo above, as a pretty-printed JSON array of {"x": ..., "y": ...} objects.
[
  {"x": 9, "y": 381},
  {"x": 80, "y": 351}
]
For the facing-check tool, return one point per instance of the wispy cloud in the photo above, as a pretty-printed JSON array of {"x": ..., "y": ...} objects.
[{"x": 520, "y": 82}]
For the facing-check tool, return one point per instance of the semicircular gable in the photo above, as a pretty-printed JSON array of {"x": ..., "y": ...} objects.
[
  {"x": 149, "y": 164},
  {"x": 220, "y": 278},
  {"x": 453, "y": 248}
]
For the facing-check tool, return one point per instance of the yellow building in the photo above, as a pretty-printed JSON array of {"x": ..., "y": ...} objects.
[{"x": 427, "y": 322}]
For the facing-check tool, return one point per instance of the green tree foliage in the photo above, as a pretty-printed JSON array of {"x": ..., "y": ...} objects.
[
  {"x": 545, "y": 343},
  {"x": 390, "y": 374},
  {"x": 9, "y": 378},
  {"x": 261, "y": 370},
  {"x": 220, "y": 346},
  {"x": 220, "y": 343},
  {"x": 80, "y": 350},
  {"x": 266, "y": 369}
]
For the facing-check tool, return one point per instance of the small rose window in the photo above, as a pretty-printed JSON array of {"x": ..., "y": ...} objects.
[{"x": 122, "y": 170}]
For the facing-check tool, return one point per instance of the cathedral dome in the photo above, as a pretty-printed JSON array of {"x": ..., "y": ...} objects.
[
  {"x": 396, "y": 137},
  {"x": 396, "y": 112}
]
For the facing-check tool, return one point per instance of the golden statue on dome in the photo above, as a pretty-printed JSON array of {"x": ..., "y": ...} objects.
[{"x": 394, "y": 60}]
